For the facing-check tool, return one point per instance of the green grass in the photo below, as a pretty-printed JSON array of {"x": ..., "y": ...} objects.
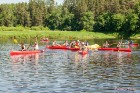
[
  {"x": 59, "y": 35},
  {"x": 25, "y": 32}
]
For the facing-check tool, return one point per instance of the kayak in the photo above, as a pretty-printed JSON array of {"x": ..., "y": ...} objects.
[
  {"x": 17, "y": 52},
  {"x": 135, "y": 44},
  {"x": 83, "y": 52},
  {"x": 116, "y": 49},
  {"x": 57, "y": 47},
  {"x": 44, "y": 40},
  {"x": 74, "y": 49}
]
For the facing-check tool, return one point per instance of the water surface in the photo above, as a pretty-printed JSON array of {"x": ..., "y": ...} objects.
[{"x": 64, "y": 71}]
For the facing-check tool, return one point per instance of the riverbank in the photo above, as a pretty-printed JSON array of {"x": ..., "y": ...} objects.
[{"x": 60, "y": 35}]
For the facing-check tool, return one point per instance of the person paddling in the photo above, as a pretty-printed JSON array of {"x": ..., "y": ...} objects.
[
  {"x": 83, "y": 46},
  {"x": 36, "y": 47},
  {"x": 66, "y": 43},
  {"x": 119, "y": 45},
  {"x": 22, "y": 47},
  {"x": 106, "y": 45},
  {"x": 130, "y": 42}
]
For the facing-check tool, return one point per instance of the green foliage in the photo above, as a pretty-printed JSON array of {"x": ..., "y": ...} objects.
[
  {"x": 18, "y": 28},
  {"x": 67, "y": 19},
  {"x": 87, "y": 21},
  {"x": 131, "y": 25},
  {"x": 53, "y": 21},
  {"x": 107, "y": 16},
  {"x": 38, "y": 28},
  {"x": 103, "y": 23},
  {"x": 118, "y": 21},
  {"x": 83, "y": 30}
]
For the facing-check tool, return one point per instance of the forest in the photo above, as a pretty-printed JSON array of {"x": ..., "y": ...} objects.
[{"x": 106, "y": 16}]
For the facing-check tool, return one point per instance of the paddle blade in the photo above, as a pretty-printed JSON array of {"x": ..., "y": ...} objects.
[{"x": 15, "y": 41}]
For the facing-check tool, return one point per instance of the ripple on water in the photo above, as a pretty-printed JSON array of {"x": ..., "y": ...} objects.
[{"x": 60, "y": 71}]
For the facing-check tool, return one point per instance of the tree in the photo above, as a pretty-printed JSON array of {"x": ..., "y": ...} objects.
[
  {"x": 131, "y": 25},
  {"x": 118, "y": 21},
  {"x": 87, "y": 21},
  {"x": 22, "y": 15},
  {"x": 6, "y": 15}
]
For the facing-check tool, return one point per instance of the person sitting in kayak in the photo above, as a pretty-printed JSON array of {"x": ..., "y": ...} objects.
[
  {"x": 36, "y": 47},
  {"x": 22, "y": 47},
  {"x": 77, "y": 43},
  {"x": 106, "y": 45},
  {"x": 86, "y": 43},
  {"x": 131, "y": 42},
  {"x": 83, "y": 46},
  {"x": 54, "y": 43},
  {"x": 66, "y": 43},
  {"x": 119, "y": 45},
  {"x": 72, "y": 44}
]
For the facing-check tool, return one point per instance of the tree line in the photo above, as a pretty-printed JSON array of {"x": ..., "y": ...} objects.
[{"x": 107, "y": 16}]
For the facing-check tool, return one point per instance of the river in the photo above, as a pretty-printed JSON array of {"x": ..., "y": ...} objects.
[{"x": 64, "y": 71}]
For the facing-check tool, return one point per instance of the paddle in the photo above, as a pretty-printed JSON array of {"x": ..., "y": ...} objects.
[
  {"x": 121, "y": 40},
  {"x": 15, "y": 40},
  {"x": 30, "y": 43},
  {"x": 120, "y": 43}
]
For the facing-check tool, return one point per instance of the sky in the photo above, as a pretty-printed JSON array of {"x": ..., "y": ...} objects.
[{"x": 17, "y": 1}]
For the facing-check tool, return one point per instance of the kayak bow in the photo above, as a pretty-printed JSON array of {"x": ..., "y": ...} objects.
[
  {"x": 16, "y": 52},
  {"x": 83, "y": 52}
]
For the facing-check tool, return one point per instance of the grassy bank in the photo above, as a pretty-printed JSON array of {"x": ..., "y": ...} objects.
[{"x": 59, "y": 35}]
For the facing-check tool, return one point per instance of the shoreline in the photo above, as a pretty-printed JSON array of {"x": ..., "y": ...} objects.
[{"x": 60, "y": 35}]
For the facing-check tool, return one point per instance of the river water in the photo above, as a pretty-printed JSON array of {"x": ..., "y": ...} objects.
[{"x": 64, "y": 71}]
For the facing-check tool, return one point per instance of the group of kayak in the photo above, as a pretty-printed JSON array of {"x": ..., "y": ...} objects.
[{"x": 80, "y": 46}]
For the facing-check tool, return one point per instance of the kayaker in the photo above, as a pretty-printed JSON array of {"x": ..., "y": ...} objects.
[
  {"x": 86, "y": 43},
  {"x": 131, "y": 42},
  {"x": 77, "y": 43},
  {"x": 119, "y": 45},
  {"x": 22, "y": 47},
  {"x": 106, "y": 45},
  {"x": 83, "y": 47},
  {"x": 54, "y": 43},
  {"x": 66, "y": 43},
  {"x": 72, "y": 44},
  {"x": 36, "y": 47}
]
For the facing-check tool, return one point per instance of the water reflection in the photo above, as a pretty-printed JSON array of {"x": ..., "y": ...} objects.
[
  {"x": 81, "y": 62},
  {"x": 109, "y": 58},
  {"x": 25, "y": 58},
  {"x": 28, "y": 61}
]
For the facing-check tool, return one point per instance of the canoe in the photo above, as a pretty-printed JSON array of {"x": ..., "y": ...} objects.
[
  {"x": 83, "y": 52},
  {"x": 116, "y": 49},
  {"x": 17, "y": 52},
  {"x": 56, "y": 47}
]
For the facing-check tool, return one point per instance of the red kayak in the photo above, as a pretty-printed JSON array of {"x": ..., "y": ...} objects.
[
  {"x": 83, "y": 52},
  {"x": 16, "y": 52},
  {"x": 44, "y": 40},
  {"x": 116, "y": 49},
  {"x": 74, "y": 49},
  {"x": 134, "y": 44},
  {"x": 57, "y": 47}
]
